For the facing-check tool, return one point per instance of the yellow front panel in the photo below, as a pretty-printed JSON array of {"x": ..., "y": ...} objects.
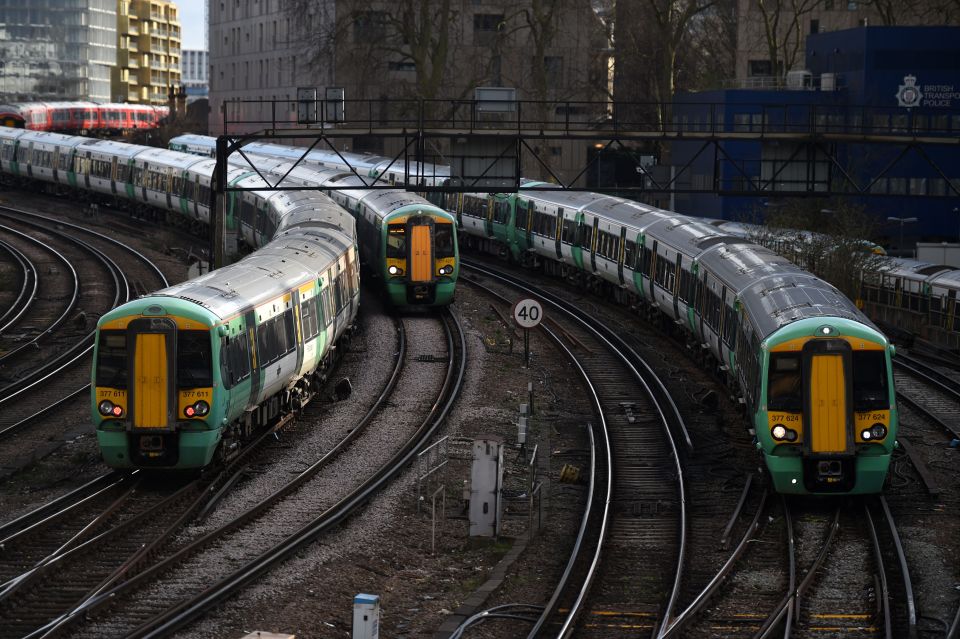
[
  {"x": 828, "y": 404},
  {"x": 421, "y": 256},
  {"x": 150, "y": 381}
]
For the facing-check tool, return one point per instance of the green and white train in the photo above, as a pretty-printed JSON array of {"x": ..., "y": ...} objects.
[
  {"x": 407, "y": 242},
  {"x": 813, "y": 372},
  {"x": 186, "y": 373}
]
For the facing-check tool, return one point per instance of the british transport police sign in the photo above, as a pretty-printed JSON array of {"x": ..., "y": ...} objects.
[{"x": 527, "y": 313}]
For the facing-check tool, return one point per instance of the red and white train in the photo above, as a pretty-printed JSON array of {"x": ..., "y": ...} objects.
[{"x": 81, "y": 117}]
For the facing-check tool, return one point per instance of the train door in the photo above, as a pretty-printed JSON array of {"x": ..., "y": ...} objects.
[
  {"x": 676, "y": 286},
  {"x": 113, "y": 175},
  {"x": 29, "y": 156},
  {"x": 488, "y": 216},
  {"x": 144, "y": 178},
  {"x": 152, "y": 345},
  {"x": 621, "y": 253},
  {"x": 593, "y": 244},
  {"x": 557, "y": 233},
  {"x": 827, "y": 392},
  {"x": 653, "y": 270},
  {"x": 420, "y": 246},
  {"x": 951, "y": 310}
]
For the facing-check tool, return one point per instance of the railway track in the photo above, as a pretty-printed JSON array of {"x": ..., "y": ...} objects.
[
  {"x": 627, "y": 561},
  {"x": 176, "y": 588},
  {"x": 53, "y": 366}
]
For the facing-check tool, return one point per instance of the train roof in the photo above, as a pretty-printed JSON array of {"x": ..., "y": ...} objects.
[
  {"x": 49, "y": 137},
  {"x": 174, "y": 159},
  {"x": 256, "y": 279},
  {"x": 120, "y": 149}
]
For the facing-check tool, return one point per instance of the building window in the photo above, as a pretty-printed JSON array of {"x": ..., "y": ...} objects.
[
  {"x": 553, "y": 70},
  {"x": 486, "y": 28},
  {"x": 759, "y": 68},
  {"x": 370, "y": 26},
  {"x": 814, "y": 26}
]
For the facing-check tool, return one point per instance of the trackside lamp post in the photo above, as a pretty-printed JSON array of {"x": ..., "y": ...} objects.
[{"x": 902, "y": 221}]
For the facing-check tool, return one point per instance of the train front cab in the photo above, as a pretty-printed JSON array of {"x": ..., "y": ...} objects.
[
  {"x": 153, "y": 402},
  {"x": 420, "y": 260},
  {"x": 829, "y": 422}
]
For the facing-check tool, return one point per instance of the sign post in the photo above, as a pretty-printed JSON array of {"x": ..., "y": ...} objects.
[{"x": 527, "y": 313}]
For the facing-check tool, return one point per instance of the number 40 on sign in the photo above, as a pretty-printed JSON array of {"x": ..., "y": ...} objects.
[{"x": 527, "y": 314}]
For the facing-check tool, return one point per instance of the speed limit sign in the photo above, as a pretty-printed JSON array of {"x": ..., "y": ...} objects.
[{"x": 527, "y": 313}]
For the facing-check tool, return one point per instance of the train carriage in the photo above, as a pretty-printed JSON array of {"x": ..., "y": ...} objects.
[
  {"x": 763, "y": 320},
  {"x": 188, "y": 372},
  {"x": 408, "y": 243},
  {"x": 191, "y": 370}
]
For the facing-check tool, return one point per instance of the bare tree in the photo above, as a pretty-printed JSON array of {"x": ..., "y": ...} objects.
[
  {"x": 782, "y": 27},
  {"x": 650, "y": 35},
  {"x": 831, "y": 239}
]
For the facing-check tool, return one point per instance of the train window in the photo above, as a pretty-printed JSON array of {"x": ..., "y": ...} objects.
[
  {"x": 248, "y": 213},
  {"x": 123, "y": 172},
  {"x": 112, "y": 359},
  {"x": 7, "y": 151},
  {"x": 569, "y": 233},
  {"x": 443, "y": 240},
  {"x": 286, "y": 332},
  {"x": 235, "y": 355},
  {"x": 522, "y": 215},
  {"x": 101, "y": 169},
  {"x": 338, "y": 293},
  {"x": 729, "y": 326},
  {"x": 629, "y": 253},
  {"x": 685, "y": 279},
  {"x": 65, "y": 161},
  {"x": 784, "y": 387},
  {"x": 194, "y": 359},
  {"x": 396, "y": 241},
  {"x": 870, "y": 381},
  {"x": 501, "y": 212},
  {"x": 308, "y": 318}
]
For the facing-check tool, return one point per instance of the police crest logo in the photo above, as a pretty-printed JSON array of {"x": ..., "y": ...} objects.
[{"x": 908, "y": 95}]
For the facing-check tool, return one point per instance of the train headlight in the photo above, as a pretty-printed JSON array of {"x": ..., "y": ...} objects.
[
  {"x": 117, "y": 411},
  {"x": 197, "y": 409},
  {"x": 446, "y": 270},
  {"x": 877, "y": 431},
  {"x": 782, "y": 433},
  {"x": 105, "y": 407},
  {"x": 393, "y": 269}
]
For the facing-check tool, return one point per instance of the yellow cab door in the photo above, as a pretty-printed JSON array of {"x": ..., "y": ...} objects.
[
  {"x": 153, "y": 403},
  {"x": 421, "y": 254},
  {"x": 829, "y": 420},
  {"x": 151, "y": 379},
  {"x": 828, "y": 409}
]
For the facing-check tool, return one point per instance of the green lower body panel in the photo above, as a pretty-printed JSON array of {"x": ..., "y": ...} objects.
[
  {"x": 439, "y": 294},
  {"x": 195, "y": 449},
  {"x": 869, "y": 473}
]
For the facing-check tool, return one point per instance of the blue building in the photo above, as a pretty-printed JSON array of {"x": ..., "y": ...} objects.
[{"x": 862, "y": 119}]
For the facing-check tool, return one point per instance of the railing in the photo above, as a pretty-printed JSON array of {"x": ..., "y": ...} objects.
[{"x": 601, "y": 119}]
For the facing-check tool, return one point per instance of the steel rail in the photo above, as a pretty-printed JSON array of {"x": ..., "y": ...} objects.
[
  {"x": 29, "y": 270},
  {"x": 71, "y": 304},
  {"x": 701, "y": 599},
  {"x": 884, "y": 594},
  {"x": 904, "y": 570},
  {"x": 156, "y": 269},
  {"x": 27, "y": 519},
  {"x": 792, "y": 598},
  {"x": 172, "y": 620},
  {"x": 662, "y": 401}
]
